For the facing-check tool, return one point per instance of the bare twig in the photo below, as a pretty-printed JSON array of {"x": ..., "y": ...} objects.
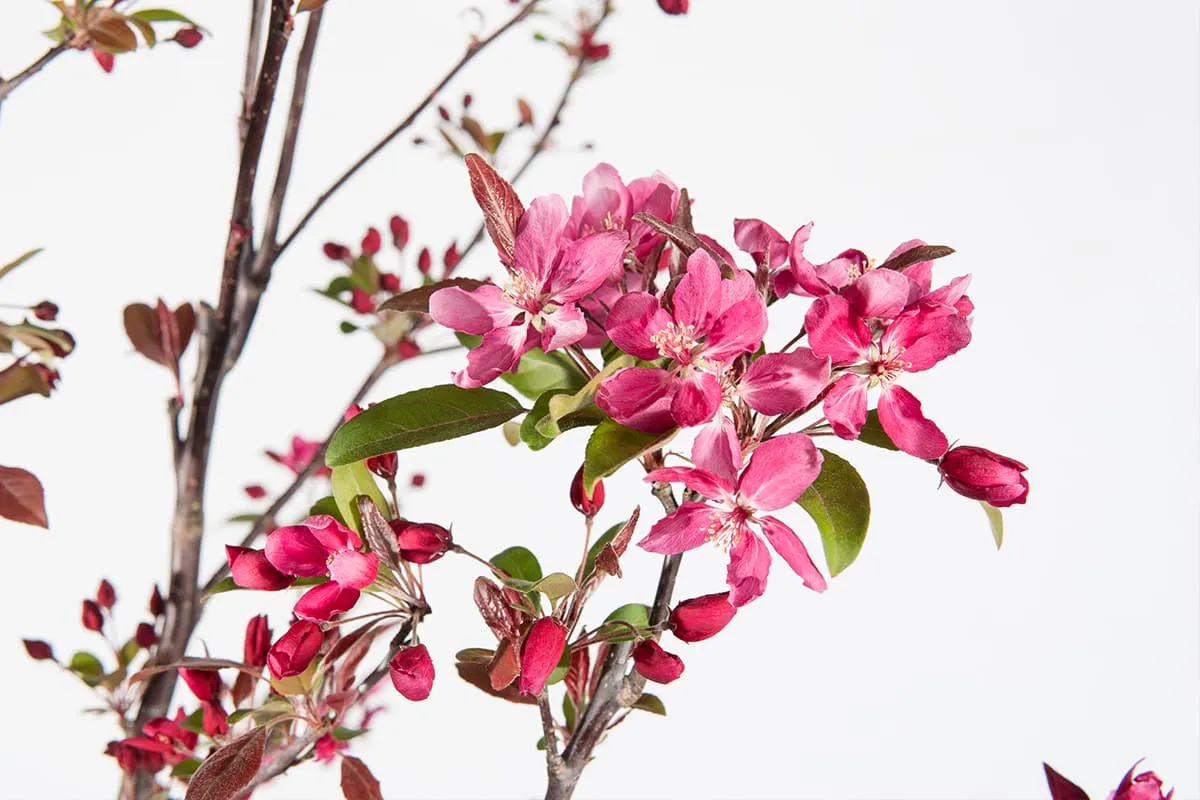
[
  {"x": 8, "y": 85},
  {"x": 549, "y": 732},
  {"x": 473, "y": 50},
  {"x": 250, "y": 78}
]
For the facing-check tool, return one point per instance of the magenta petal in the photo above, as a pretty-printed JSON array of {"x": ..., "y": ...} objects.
[
  {"x": 882, "y": 293},
  {"x": 901, "y": 417},
  {"x": 251, "y": 570},
  {"x": 717, "y": 450},
  {"x": 749, "y": 563},
  {"x": 951, "y": 293},
  {"x": 498, "y": 353},
  {"x": 293, "y": 549},
  {"x": 639, "y": 397},
  {"x": 685, "y": 529},
  {"x": 922, "y": 271},
  {"x": 739, "y": 329},
  {"x": 475, "y": 312},
  {"x": 697, "y": 399},
  {"x": 804, "y": 275},
  {"x": 779, "y": 383},
  {"x": 539, "y": 238},
  {"x": 792, "y": 550},
  {"x": 605, "y": 199},
  {"x": 411, "y": 671},
  {"x": 737, "y": 289},
  {"x": 585, "y": 264},
  {"x": 835, "y": 330},
  {"x": 698, "y": 295},
  {"x": 846, "y": 405},
  {"x": 353, "y": 569},
  {"x": 326, "y": 601},
  {"x": 633, "y": 320},
  {"x": 564, "y": 327},
  {"x": 332, "y": 534},
  {"x": 928, "y": 336},
  {"x": 779, "y": 471},
  {"x": 698, "y": 480},
  {"x": 760, "y": 240}
]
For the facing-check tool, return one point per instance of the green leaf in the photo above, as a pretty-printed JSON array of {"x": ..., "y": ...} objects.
[
  {"x": 555, "y": 585},
  {"x": 348, "y": 481},
  {"x": 87, "y": 667},
  {"x": 520, "y": 563},
  {"x": 612, "y": 446},
  {"x": 582, "y": 402},
  {"x": 347, "y": 327},
  {"x": 636, "y": 614},
  {"x": 336, "y": 288},
  {"x": 838, "y": 502},
  {"x": 651, "y": 703},
  {"x": 185, "y": 769},
  {"x": 161, "y": 15},
  {"x": 128, "y": 652},
  {"x": 569, "y": 715},
  {"x": 996, "y": 521},
  {"x": 872, "y": 433},
  {"x": 227, "y": 585},
  {"x": 239, "y": 715},
  {"x": 328, "y": 506},
  {"x": 531, "y": 425},
  {"x": 345, "y": 734},
  {"x": 417, "y": 418},
  {"x": 18, "y": 261},
  {"x": 147, "y": 30}
]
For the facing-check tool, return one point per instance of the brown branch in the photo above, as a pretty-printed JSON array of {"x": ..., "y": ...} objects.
[
  {"x": 554, "y": 762},
  {"x": 250, "y": 77},
  {"x": 9, "y": 85},
  {"x": 473, "y": 50}
]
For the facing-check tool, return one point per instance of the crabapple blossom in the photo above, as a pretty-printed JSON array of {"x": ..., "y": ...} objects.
[{"x": 318, "y": 547}]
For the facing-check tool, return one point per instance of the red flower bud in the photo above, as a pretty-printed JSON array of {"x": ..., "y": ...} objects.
[
  {"x": 656, "y": 664},
  {"x": 384, "y": 466},
  {"x": 389, "y": 282},
  {"x": 38, "y": 650},
  {"x": 257, "y": 642},
  {"x": 157, "y": 605},
  {"x": 103, "y": 58},
  {"x": 251, "y": 570},
  {"x": 255, "y": 492},
  {"x": 399, "y": 226},
  {"x": 145, "y": 635},
  {"x": 371, "y": 242},
  {"x": 204, "y": 683},
  {"x": 421, "y": 543},
  {"x": 443, "y": 113},
  {"x": 983, "y": 475},
  {"x": 361, "y": 301},
  {"x": 588, "y": 506},
  {"x": 93, "y": 620},
  {"x": 187, "y": 37},
  {"x": 424, "y": 261},
  {"x": 106, "y": 595},
  {"x": 406, "y": 349},
  {"x": 295, "y": 650},
  {"x": 467, "y": 99},
  {"x": 701, "y": 617},
  {"x": 674, "y": 6},
  {"x": 45, "y": 311},
  {"x": 336, "y": 252},
  {"x": 1143, "y": 786},
  {"x": 451, "y": 257},
  {"x": 540, "y": 653},
  {"x": 411, "y": 671},
  {"x": 418, "y": 480}
]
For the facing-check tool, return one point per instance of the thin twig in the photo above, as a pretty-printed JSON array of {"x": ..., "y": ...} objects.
[
  {"x": 473, "y": 50},
  {"x": 7, "y": 86},
  {"x": 250, "y": 76},
  {"x": 549, "y": 731}
]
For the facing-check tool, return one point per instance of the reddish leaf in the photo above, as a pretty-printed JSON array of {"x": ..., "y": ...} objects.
[
  {"x": 141, "y": 326},
  {"x": 577, "y": 676},
  {"x": 418, "y": 299},
  {"x": 501, "y": 207},
  {"x": 476, "y": 132},
  {"x": 505, "y": 666},
  {"x": 477, "y": 676},
  {"x": 110, "y": 30},
  {"x": 21, "y": 497},
  {"x": 379, "y": 535},
  {"x": 185, "y": 324},
  {"x": 1061, "y": 788},
  {"x": 18, "y": 380},
  {"x": 925, "y": 252},
  {"x": 495, "y": 610},
  {"x": 227, "y": 771},
  {"x": 524, "y": 111},
  {"x": 609, "y": 558},
  {"x": 357, "y": 781}
]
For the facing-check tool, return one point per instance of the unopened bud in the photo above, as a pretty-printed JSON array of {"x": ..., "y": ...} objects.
[
  {"x": 371, "y": 242},
  {"x": 674, "y": 6},
  {"x": 361, "y": 301},
  {"x": 257, "y": 642},
  {"x": 983, "y": 475},
  {"x": 399, "y": 226},
  {"x": 443, "y": 113},
  {"x": 188, "y": 37},
  {"x": 145, "y": 635},
  {"x": 418, "y": 480},
  {"x": 424, "y": 261},
  {"x": 157, "y": 605},
  {"x": 295, "y": 650},
  {"x": 655, "y": 664},
  {"x": 421, "y": 542},
  {"x": 92, "y": 618},
  {"x": 406, "y": 349},
  {"x": 540, "y": 653},
  {"x": 390, "y": 282},
  {"x": 255, "y": 492},
  {"x": 587, "y": 505},
  {"x": 336, "y": 252},
  {"x": 451, "y": 257},
  {"x": 38, "y": 650},
  {"x": 45, "y": 311},
  {"x": 701, "y": 618},
  {"x": 106, "y": 595}
]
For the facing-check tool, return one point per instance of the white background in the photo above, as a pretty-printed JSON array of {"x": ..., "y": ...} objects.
[{"x": 1052, "y": 144}]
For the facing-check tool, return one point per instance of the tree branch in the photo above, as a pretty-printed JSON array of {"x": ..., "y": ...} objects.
[
  {"x": 473, "y": 50},
  {"x": 9, "y": 85}
]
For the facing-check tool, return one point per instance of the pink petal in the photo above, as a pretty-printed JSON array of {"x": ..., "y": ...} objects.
[
  {"x": 951, "y": 293},
  {"x": 882, "y": 293},
  {"x": 639, "y": 397},
  {"x": 804, "y": 275},
  {"x": 697, "y": 399},
  {"x": 251, "y": 570},
  {"x": 844, "y": 269},
  {"x": 633, "y": 320},
  {"x": 711, "y": 486},
  {"x": 332, "y": 534},
  {"x": 353, "y": 569},
  {"x": 605, "y": 198},
  {"x": 779, "y": 471},
  {"x": 685, "y": 529},
  {"x": 928, "y": 335},
  {"x": 539, "y": 237},
  {"x": 498, "y": 353},
  {"x": 749, "y": 563},
  {"x": 759, "y": 239},
  {"x": 698, "y": 295},
  {"x": 834, "y": 330},
  {"x": 922, "y": 271},
  {"x": 295, "y": 550},
  {"x": 737, "y": 289},
  {"x": 788, "y": 545},
  {"x": 901, "y": 417},
  {"x": 564, "y": 327},
  {"x": 779, "y": 383},
  {"x": 739, "y": 329},
  {"x": 717, "y": 450},
  {"x": 475, "y": 312},
  {"x": 846, "y": 405},
  {"x": 585, "y": 264},
  {"x": 324, "y": 602}
]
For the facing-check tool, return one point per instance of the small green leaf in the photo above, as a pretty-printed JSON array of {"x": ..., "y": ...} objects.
[
  {"x": 651, "y": 703},
  {"x": 87, "y": 667},
  {"x": 18, "y": 261},
  {"x": 128, "y": 652},
  {"x": 569, "y": 715},
  {"x": 239, "y": 715},
  {"x": 612, "y": 446},
  {"x": 327, "y": 506},
  {"x": 520, "y": 563},
  {"x": 347, "y": 327},
  {"x": 185, "y": 769},
  {"x": 345, "y": 734},
  {"x": 161, "y": 15},
  {"x": 872, "y": 433},
  {"x": 838, "y": 502},
  {"x": 996, "y": 521},
  {"x": 417, "y": 418},
  {"x": 636, "y": 614},
  {"x": 348, "y": 481},
  {"x": 336, "y": 288},
  {"x": 147, "y": 30},
  {"x": 564, "y": 666},
  {"x": 555, "y": 585}
]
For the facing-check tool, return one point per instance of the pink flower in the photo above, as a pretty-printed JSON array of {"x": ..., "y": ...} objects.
[
  {"x": 711, "y": 322},
  {"x": 983, "y": 475},
  {"x": 162, "y": 742},
  {"x": 813, "y": 280},
  {"x": 779, "y": 471},
  {"x": 251, "y": 570},
  {"x": 761, "y": 241},
  {"x": 540, "y": 653},
  {"x": 411, "y": 671},
  {"x": 701, "y": 618},
  {"x": 655, "y": 664},
  {"x": 328, "y": 748},
  {"x": 295, "y": 650},
  {"x": 607, "y": 204},
  {"x": 550, "y": 274},
  {"x": 257, "y": 641},
  {"x": 302, "y": 453},
  {"x": 1143, "y": 786},
  {"x": 917, "y": 338},
  {"x": 323, "y": 546}
]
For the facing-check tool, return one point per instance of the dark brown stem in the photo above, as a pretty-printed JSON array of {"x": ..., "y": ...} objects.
[
  {"x": 473, "y": 50},
  {"x": 549, "y": 732},
  {"x": 7, "y": 86},
  {"x": 250, "y": 75}
]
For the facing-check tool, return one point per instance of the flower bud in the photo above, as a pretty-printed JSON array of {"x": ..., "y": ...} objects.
[
  {"x": 45, "y": 311},
  {"x": 255, "y": 492},
  {"x": 983, "y": 475},
  {"x": 214, "y": 720},
  {"x": 295, "y": 650},
  {"x": 406, "y": 349},
  {"x": 157, "y": 605},
  {"x": 443, "y": 113},
  {"x": 701, "y": 617},
  {"x": 204, "y": 683},
  {"x": 103, "y": 58},
  {"x": 656, "y": 664},
  {"x": 451, "y": 258},
  {"x": 424, "y": 261},
  {"x": 467, "y": 100},
  {"x": 384, "y": 466},
  {"x": 421, "y": 543},
  {"x": 389, "y": 282},
  {"x": 1143, "y": 786},
  {"x": 336, "y": 252},
  {"x": 251, "y": 570},
  {"x": 399, "y": 226},
  {"x": 418, "y": 480},
  {"x": 93, "y": 620},
  {"x": 145, "y": 635},
  {"x": 588, "y": 506},
  {"x": 361, "y": 301},
  {"x": 257, "y": 642},
  {"x": 187, "y": 37},
  {"x": 540, "y": 653},
  {"x": 38, "y": 650},
  {"x": 674, "y": 6},
  {"x": 106, "y": 595},
  {"x": 371, "y": 242},
  {"x": 411, "y": 671}
]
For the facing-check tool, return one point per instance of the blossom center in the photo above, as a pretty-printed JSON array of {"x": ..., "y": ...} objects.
[
  {"x": 676, "y": 342},
  {"x": 886, "y": 366},
  {"x": 856, "y": 268},
  {"x": 726, "y": 528},
  {"x": 524, "y": 293}
]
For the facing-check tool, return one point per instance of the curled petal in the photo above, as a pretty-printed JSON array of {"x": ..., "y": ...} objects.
[
  {"x": 761, "y": 241},
  {"x": 779, "y": 471},
  {"x": 585, "y": 264},
  {"x": 353, "y": 569},
  {"x": 687, "y": 528},
  {"x": 332, "y": 534},
  {"x": 639, "y": 397},
  {"x": 324, "y": 602},
  {"x": 749, "y": 563},
  {"x": 928, "y": 335},
  {"x": 475, "y": 312},
  {"x": 902, "y": 420},
  {"x": 498, "y": 353},
  {"x": 788, "y": 545},
  {"x": 251, "y": 570},
  {"x": 846, "y": 405},
  {"x": 635, "y": 318},
  {"x": 779, "y": 383},
  {"x": 295, "y": 550},
  {"x": 803, "y": 278},
  {"x": 698, "y": 480},
  {"x": 656, "y": 664}
]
